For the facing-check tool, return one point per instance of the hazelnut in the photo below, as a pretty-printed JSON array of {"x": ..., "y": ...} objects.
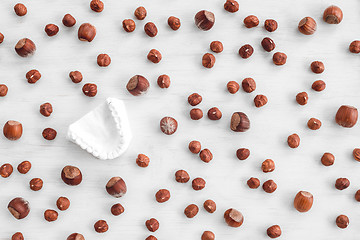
[
  {"x": 163, "y": 195},
  {"x": 210, "y": 206},
  {"x": 163, "y": 81},
  {"x": 253, "y": 183},
  {"x": 251, "y": 21},
  {"x": 168, "y": 125},
  {"x": 116, "y": 187},
  {"x": 195, "y": 147},
  {"x": 24, "y": 167},
  {"x": 231, "y": 6},
  {"x": 303, "y": 201},
  {"x": 270, "y": 25},
  {"x": 3, "y": 90},
  {"x": 103, "y": 60},
  {"x": 293, "y": 140},
  {"x": 49, "y": 134},
  {"x": 140, "y": 13},
  {"x": 307, "y": 26},
  {"x": 138, "y": 85},
  {"x": 239, "y": 122},
  {"x": 208, "y": 60},
  {"x": 46, "y": 109},
  {"x": 25, "y": 47},
  {"x": 151, "y": 237},
  {"x": 268, "y": 166},
  {"x": 68, "y": 20},
  {"x": 274, "y": 231},
  {"x": 6, "y": 170},
  {"x": 233, "y": 87},
  {"x": 355, "y": 46},
  {"x": 194, "y": 99},
  {"x": 268, "y": 44},
  {"x": 317, "y": 67},
  {"x": 20, "y": 9},
  {"x": 101, "y": 226},
  {"x": 191, "y": 211},
  {"x": 181, "y": 176},
  {"x": 36, "y": 184},
  {"x": 206, "y": 155},
  {"x": 248, "y": 85},
  {"x": 204, "y": 20},
  {"x": 279, "y": 58},
  {"x": 346, "y": 116},
  {"x": 196, "y": 113},
  {"x": 242, "y": 153},
  {"x": 154, "y": 56},
  {"x": 76, "y": 76},
  {"x": 142, "y": 160},
  {"x": 86, "y": 32},
  {"x": 17, "y": 236},
  {"x": 198, "y": 184},
  {"x": 327, "y": 159},
  {"x": 216, "y": 46},
  {"x": 51, "y": 30},
  {"x": 97, "y": 5},
  {"x": 214, "y": 114},
  {"x": 318, "y": 85},
  {"x": 33, "y": 76},
  {"x": 356, "y": 154},
  {"x": 152, "y": 224},
  {"x": 208, "y": 235},
  {"x": 260, "y": 100},
  {"x": 89, "y": 89},
  {"x": 150, "y": 29},
  {"x": 357, "y": 195},
  {"x": 76, "y": 236},
  {"x": 174, "y": 23},
  {"x": 1, "y": 38},
  {"x": 333, "y": 15},
  {"x": 342, "y": 221},
  {"x": 314, "y": 124},
  {"x": 13, "y": 130},
  {"x": 63, "y": 203},
  {"x": 129, "y": 25},
  {"x": 50, "y": 215},
  {"x": 19, "y": 208},
  {"x": 233, "y": 217},
  {"x": 71, "y": 175},
  {"x": 246, "y": 51},
  {"x": 302, "y": 98},
  {"x": 269, "y": 186},
  {"x": 117, "y": 209},
  {"x": 342, "y": 183}
]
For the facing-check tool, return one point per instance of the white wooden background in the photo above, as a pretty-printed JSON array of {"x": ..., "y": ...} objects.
[{"x": 296, "y": 169}]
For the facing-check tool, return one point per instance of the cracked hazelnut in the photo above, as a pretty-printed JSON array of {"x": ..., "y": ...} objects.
[
  {"x": 260, "y": 100},
  {"x": 327, "y": 159},
  {"x": 195, "y": 147},
  {"x": 233, "y": 87},
  {"x": 194, "y": 99},
  {"x": 17, "y": 236},
  {"x": 103, "y": 60},
  {"x": 138, "y": 85},
  {"x": 251, "y": 21},
  {"x": 163, "y": 195},
  {"x": 174, "y": 23},
  {"x": 24, "y": 167},
  {"x": 354, "y": 46},
  {"x": 246, "y": 51},
  {"x": 181, "y": 176},
  {"x": 208, "y": 235},
  {"x": 196, "y": 114},
  {"x": 19, "y": 208},
  {"x": 268, "y": 166},
  {"x": 303, "y": 201},
  {"x": 269, "y": 186},
  {"x": 150, "y": 29},
  {"x": 204, "y": 20},
  {"x": 293, "y": 140},
  {"x": 129, "y": 25},
  {"x": 216, "y": 46},
  {"x": 154, "y": 56},
  {"x": 76, "y": 236},
  {"x": 71, "y": 175},
  {"x": 214, "y": 114},
  {"x": 97, "y": 5},
  {"x": 151, "y": 237},
  {"x": 314, "y": 124},
  {"x": 13, "y": 130},
  {"x": 233, "y": 217},
  {"x": 168, "y": 125},
  {"x": 279, "y": 58},
  {"x": 6, "y": 170},
  {"x": 36, "y": 184},
  {"x": 152, "y": 224},
  {"x": 116, "y": 187},
  {"x": 51, "y": 30},
  {"x": 307, "y": 26},
  {"x": 89, "y": 89},
  {"x": 50, "y": 215},
  {"x": 342, "y": 183},
  {"x": 248, "y": 85},
  {"x": 140, "y": 13},
  {"x": 268, "y": 44},
  {"x": 198, "y": 184},
  {"x": 206, "y": 155},
  {"x": 117, "y": 209},
  {"x": 63, "y": 203},
  {"x": 142, "y": 160},
  {"x": 333, "y": 15},
  {"x": 210, "y": 206},
  {"x": 163, "y": 81},
  {"x": 242, "y": 153},
  {"x": 20, "y": 9},
  {"x": 101, "y": 226},
  {"x": 302, "y": 98},
  {"x": 86, "y": 32},
  {"x": 317, "y": 67},
  {"x": 253, "y": 183},
  {"x": 231, "y": 6},
  {"x": 3, "y": 90},
  {"x": 76, "y": 76},
  {"x": 346, "y": 116},
  {"x": 274, "y": 231},
  {"x": 68, "y": 20},
  {"x": 33, "y": 76},
  {"x": 356, "y": 154},
  {"x": 46, "y": 109},
  {"x": 239, "y": 122},
  {"x": 208, "y": 60},
  {"x": 49, "y": 134},
  {"x": 342, "y": 221},
  {"x": 318, "y": 85},
  {"x": 270, "y": 25},
  {"x": 191, "y": 211},
  {"x": 25, "y": 47}
]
